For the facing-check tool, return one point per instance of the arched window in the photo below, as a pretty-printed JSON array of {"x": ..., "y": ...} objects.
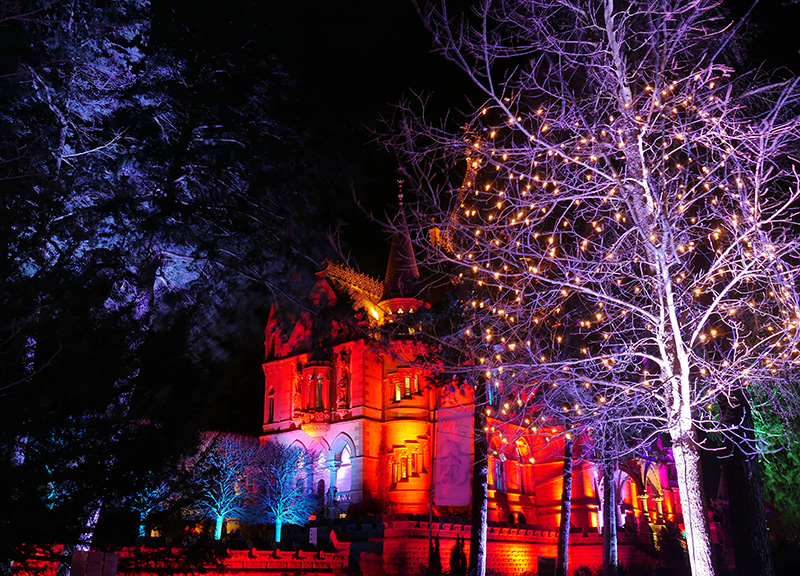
[
  {"x": 498, "y": 473},
  {"x": 271, "y": 406},
  {"x": 343, "y": 471},
  {"x": 497, "y": 461},
  {"x": 522, "y": 455}
]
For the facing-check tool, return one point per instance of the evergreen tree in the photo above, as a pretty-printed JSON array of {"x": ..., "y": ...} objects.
[{"x": 151, "y": 195}]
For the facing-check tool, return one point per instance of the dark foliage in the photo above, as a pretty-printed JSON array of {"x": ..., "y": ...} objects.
[{"x": 157, "y": 197}]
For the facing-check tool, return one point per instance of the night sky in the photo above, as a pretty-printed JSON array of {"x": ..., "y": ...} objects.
[{"x": 353, "y": 60}]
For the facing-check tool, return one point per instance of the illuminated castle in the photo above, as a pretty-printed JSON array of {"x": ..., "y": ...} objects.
[{"x": 368, "y": 410}]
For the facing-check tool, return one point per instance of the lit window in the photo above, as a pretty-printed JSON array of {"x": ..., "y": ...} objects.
[
  {"x": 416, "y": 384},
  {"x": 404, "y": 468},
  {"x": 407, "y": 387},
  {"x": 271, "y": 406},
  {"x": 397, "y": 391},
  {"x": 499, "y": 475}
]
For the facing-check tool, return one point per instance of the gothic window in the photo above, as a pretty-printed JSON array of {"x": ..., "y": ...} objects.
[
  {"x": 344, "y": 471},
  {"x": 498, "y": 473},
  {"x": 271, "y": 406},
  {"x": 520, "y": 455}
]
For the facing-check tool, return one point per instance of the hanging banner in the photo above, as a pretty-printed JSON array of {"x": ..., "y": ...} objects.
[{"x": 453, "y": 474}]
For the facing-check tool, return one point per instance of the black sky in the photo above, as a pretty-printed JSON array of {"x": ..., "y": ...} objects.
[
  {"x": 354, "y": 59},
  {"x": 349, "y": 62}
]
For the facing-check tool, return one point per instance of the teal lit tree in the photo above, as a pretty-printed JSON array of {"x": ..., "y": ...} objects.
[
  {"x": 281, "y": 485},
  {"x": 220, "y": 477},
  {"x": 622, "y": 209}
]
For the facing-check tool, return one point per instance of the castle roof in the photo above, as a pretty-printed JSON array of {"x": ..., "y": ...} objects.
[{"x": 401, "y": 272}]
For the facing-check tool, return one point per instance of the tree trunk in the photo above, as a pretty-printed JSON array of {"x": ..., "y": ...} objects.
[
  {"x": 562, "y": 561},
  {"x": 690, "y": 484},
  {"x": 142, "y": 524},
  {"x": 218, "y": 527},
  {"x": 747, "y": 518},
  {"x": 609, "y": 521},
  {"x": 278, "y": 526},
  {"x": 86, "y": 539},
  {"x": 480, "y": 486}
]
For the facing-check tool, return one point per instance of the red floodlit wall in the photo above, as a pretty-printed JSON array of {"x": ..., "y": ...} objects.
[
  {"x": 511, "y": 551},
  {"x": 134, "y": 561}
]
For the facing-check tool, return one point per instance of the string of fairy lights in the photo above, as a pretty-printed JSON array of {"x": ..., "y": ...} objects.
[{"x": 591, "y": 248}]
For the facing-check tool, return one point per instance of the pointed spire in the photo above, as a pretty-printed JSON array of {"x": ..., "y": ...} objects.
[{"x": 401, "y": 272}]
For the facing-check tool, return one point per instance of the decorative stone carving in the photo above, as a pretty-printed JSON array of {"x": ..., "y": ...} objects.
[
  {"x": 316, "y": 429},
  {"x": 343, "y": 384},
  {"x": 316, "y": 380}
]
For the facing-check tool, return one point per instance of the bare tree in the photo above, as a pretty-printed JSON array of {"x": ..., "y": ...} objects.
[
  {"x": 220, "y": 474},
  {"x": 623, "y": 208},
  {"x": 281, "y": 486},
  {"x": 156, "y": 492}
]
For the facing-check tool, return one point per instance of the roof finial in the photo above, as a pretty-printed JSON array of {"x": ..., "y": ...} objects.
[
  {"x": 400, "y": 182},
  {"x": 401, "y": 270}
]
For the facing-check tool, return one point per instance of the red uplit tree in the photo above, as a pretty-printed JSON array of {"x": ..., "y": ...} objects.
[{"x": 622, "y": 208}]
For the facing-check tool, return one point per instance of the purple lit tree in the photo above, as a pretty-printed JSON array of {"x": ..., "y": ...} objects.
[{"x": 622, "y": 208}]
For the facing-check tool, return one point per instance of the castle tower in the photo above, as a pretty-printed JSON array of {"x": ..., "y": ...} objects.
[{"x": 361, "y": 404}]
